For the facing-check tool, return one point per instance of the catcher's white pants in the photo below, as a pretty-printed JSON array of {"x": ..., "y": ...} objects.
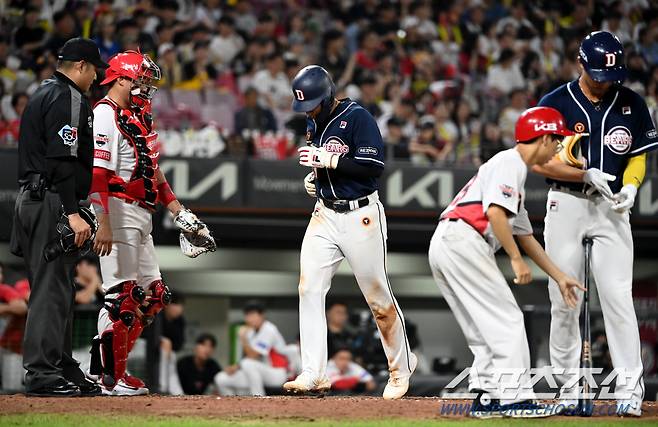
[
  {"x": 251, "y": 379},
  {"x": 133, "y": 254},
  {"x": 359, "y": 236},
  {"x": 464, "y": 268},
  {"x": 569, "y": 218}
]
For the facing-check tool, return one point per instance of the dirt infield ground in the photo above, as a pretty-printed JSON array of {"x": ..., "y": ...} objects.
[{"x": 237, "y": 408}]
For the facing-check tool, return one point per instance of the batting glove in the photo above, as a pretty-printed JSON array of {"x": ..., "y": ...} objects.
[
  {"x": 598, "y": 180},
  {"x": 309, "y": 184},
  {"x": 625, "y": 199},
  {"x": 317, "y": 157}
]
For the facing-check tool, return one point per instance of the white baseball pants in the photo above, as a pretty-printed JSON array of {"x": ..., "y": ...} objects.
[
  {"x": 360, "y": 237},
  {"x": 251, "y": 379},
  {"x": 569, "y": 218},
  {"x": 465, "y": 270},
  {"x": 133, "y": 254}
]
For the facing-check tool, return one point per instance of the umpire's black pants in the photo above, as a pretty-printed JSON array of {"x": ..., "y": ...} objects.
[{"x": 47, "y": 341}]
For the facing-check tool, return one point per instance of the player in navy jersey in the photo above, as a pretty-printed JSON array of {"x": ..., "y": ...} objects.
[
  {"x": 593, "y": 187},
  {"x": 346, "y": 154}
]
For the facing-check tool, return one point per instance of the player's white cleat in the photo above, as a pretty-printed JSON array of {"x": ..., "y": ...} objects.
[
  {"x": 304, "y": 383},
  {"x": 629, "y": 408},
  {"x": 127, "y": 386},
  {"x": 398, "y": 385}
]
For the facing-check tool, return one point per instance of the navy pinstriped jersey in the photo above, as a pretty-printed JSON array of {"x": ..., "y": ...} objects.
[
  {"x": 619, "y": 127},
  {"x": 353, "y": 133}
]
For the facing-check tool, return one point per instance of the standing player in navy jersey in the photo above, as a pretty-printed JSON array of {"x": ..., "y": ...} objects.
[
  {"x": 346, "y": 154},
  {"x": 592, "y": 191}
]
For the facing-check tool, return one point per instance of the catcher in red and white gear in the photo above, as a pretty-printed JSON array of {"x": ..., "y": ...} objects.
[{"x": 127, "y": 185}]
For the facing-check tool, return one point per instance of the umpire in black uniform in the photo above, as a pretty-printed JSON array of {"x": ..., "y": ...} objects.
[{"x": 55, "y": 155}]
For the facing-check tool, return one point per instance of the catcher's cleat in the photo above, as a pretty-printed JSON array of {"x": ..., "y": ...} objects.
[
  {"x": 127, "y": 386},
  {"x": 398, "y": 385},
  {"x": 305, "y": 384}
]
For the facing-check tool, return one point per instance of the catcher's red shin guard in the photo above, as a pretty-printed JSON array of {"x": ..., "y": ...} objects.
[{"x": 122, "y": 310}]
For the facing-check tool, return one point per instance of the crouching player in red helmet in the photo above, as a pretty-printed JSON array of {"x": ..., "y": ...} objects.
[
  {"x": 487, "y": 214},
  {"x": 127, "y": 185}
]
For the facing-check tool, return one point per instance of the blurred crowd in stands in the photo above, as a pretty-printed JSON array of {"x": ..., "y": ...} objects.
[{"x": 446, "y": 80}]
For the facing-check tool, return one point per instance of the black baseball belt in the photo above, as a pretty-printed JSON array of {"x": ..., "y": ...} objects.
[{"x": 342, "y": 206}]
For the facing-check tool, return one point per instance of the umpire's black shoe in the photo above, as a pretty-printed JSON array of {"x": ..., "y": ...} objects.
[
  {"x": 88, "y": 388},
  {"x": 60, "y": 388}
]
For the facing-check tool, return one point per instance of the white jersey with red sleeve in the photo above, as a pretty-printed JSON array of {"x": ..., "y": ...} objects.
[
  {"x": 267, "y": 340},
  {"x": 112, "y": 151},
  {"x": 500, "y": 181}
]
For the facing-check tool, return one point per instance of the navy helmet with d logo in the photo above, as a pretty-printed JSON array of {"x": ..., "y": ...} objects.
[
  {"x": 311, "y": 87},
  {"x": 602, "y": 56}
]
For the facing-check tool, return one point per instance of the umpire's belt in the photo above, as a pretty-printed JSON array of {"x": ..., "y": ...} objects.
[{"x": 342, "y": 206}]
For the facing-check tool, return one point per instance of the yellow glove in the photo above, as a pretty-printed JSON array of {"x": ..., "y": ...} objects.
[{"x": 570, "y": 153}]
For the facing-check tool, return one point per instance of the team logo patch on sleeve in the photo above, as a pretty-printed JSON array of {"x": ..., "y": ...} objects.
[
  {"x": 102, "y": 155},
  {"x": 367, "y": 151},
  {"x": 507, "y": 190},
  {"x": 618, "y": 139},
  {"x": 579, "y": 127},
  {"x": 101, "y": 139},
  {"x": 69, "y": 135},
  {"x": 652, "y": 134}
]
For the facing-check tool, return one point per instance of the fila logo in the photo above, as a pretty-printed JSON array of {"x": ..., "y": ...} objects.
[
  {"x": 610, "y": 59},
  {"x": 299, "y": 94},
  {"x": 545, "y": 127}
]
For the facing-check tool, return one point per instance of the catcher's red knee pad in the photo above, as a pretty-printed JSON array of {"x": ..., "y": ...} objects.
[
  {"x": 123, "y": 306},
  {"x": 157, "y": 297}
]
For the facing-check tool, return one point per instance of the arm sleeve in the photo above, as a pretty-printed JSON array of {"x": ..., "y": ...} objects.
[
  {"x": 352, "y": 168},
  {"x": 61, "y": 126},
  {"x": 645, "y": 138},
  {"x": 368, "y": 144},
  {"x": 62, "y": 174},
  {"x": 502, "y": 187},
  {"x": 635, "y": 170}
]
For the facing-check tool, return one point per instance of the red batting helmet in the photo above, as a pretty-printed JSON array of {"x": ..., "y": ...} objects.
[{"x": 538, "y": 121}]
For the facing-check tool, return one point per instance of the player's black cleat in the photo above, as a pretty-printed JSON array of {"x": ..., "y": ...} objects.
[
  {"x": 485, "y": 407},
  {"x": 88, "y": 388}
]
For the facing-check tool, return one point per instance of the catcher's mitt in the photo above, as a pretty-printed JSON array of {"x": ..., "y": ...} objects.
[
  {"x": 187, "y": 221},
  {"x": 193, "y": 244},
  {"x": 570, "y": 153}
]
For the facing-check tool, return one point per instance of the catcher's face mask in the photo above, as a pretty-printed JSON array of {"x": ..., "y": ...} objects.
[{"x": 65, "y": 240}]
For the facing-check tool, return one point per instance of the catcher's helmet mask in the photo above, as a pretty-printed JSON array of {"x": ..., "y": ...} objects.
[{"x": 65, "y": 240}]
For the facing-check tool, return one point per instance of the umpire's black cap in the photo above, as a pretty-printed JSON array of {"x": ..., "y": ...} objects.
[{"x": 81, "y": 49}]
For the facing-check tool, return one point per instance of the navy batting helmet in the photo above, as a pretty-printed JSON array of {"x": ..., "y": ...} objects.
[
  {"x": 311, "y": 87},
  {"x": 602, "y": 56}
]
